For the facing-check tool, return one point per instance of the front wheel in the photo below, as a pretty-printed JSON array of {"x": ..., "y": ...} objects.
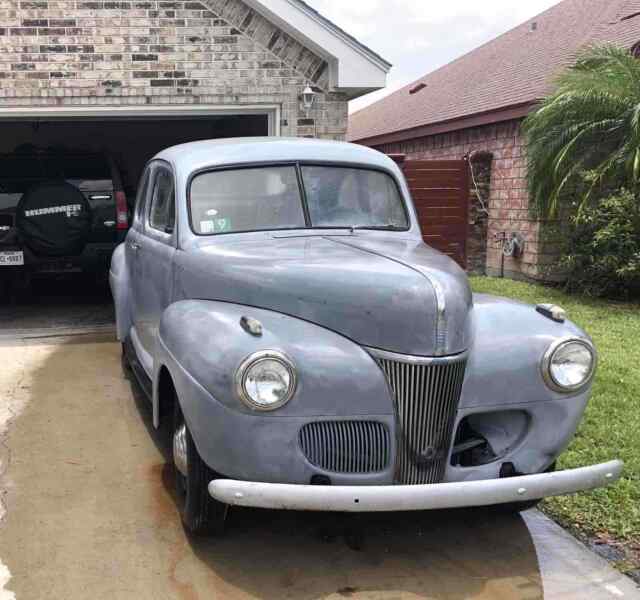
[
  {"x": 518, "y": 507},
  {"x": 4, "y": 292},
  {"x": 201, "y": 514},
  {"x": 124, "y": 362}
]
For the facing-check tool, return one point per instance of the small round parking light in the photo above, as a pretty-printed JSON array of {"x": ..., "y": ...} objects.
[
  {"x": 266, "y": 380},
  {"x": 569, "y": 365}
]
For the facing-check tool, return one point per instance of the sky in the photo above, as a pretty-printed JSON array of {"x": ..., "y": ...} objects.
[{"x": 418, "y": 36}]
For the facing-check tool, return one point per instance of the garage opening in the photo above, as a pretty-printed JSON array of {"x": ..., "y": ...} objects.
[
  {"x": 131, "y": 142},
  {"x": 63, "y": 281}
]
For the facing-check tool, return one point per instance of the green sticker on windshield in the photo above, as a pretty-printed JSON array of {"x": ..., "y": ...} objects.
[{"x": 222, "y": 225}]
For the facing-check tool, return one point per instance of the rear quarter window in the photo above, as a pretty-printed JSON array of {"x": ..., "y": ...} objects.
[
  {"x": 141, "y": 197},
  {"x": 162, "y": 213}
]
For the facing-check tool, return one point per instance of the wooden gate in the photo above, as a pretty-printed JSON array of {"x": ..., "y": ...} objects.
[{"x": 440, "y": 190}]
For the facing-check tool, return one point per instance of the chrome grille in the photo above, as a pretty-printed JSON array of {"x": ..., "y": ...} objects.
[
  {"x": 427, "y": 396},
  {"x": 346, "y": 446}
]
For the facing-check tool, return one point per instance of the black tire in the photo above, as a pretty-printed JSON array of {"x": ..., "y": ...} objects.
[
  {"x": 200, "y": 513},
  {"x": 514, "y": 508},
  {"x": 124, "y": 361},
  {"x": 6, "y": 285},
  {"x": 518, "y": 507},
  {"x": 21, "y": 290}
]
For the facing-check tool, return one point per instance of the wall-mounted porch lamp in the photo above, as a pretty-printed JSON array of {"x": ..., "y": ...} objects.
[{"x": 308, "y": 98}]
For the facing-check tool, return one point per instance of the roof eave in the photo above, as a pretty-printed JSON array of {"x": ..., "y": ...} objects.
[
  {"x": 343, "y": 35},
  {"x": 508, "y": 113},
  {"x": 352, "y": 66}
]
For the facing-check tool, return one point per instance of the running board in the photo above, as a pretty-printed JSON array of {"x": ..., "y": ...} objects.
[{"x": 138, "y": 370}]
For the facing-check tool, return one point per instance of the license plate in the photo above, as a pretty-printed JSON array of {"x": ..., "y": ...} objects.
[{"x": 12, "y": 259}]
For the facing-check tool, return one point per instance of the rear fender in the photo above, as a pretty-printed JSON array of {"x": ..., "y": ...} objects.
[{"x": 120, "y": 283}]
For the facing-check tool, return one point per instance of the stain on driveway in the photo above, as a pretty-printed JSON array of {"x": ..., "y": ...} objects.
[{"x": 91, "y": 514}]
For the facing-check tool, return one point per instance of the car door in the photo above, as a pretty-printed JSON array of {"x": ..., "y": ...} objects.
[
  {"x": 155, "y": 255},
  {"x": 132, "y": 248}
]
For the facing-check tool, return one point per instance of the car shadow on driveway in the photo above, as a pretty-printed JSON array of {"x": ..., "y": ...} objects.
[
  {"x": 454, "y": 554},
  {"x": 91, "y": 513}
]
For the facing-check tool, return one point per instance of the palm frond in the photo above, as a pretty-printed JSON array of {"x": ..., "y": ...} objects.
[{"x": 590, "y": 123}]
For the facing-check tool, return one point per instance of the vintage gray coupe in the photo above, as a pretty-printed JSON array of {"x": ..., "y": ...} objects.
[{"x": 304, "y": 349}]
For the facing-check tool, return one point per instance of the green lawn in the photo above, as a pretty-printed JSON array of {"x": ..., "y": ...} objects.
[{"x": 611, "y": 427}]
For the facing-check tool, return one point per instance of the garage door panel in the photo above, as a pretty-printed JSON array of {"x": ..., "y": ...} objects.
[
  {"x": 417, "y": 166},
  {"x": 439, "y": 244},
  {"x": 438, "y": 224},
  {"x": 436, "y": 180},
  {"x": 429, "y": 213},
  {"x": 452, "y": 250},
  {"x": 450, "y": 197},
  {"x": 451, "y": 226},
  {"x": 440, "y": 191}
]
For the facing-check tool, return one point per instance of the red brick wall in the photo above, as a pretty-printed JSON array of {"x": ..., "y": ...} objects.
[{"x": 508, "y": 198}]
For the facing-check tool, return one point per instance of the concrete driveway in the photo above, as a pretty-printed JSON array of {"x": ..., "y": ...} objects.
[{"x": 90, "y": 515}]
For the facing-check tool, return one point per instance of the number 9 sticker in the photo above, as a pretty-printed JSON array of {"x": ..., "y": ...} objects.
[
  {"x": 215, "y": 226},
  {"x": 222, "y": 225}
]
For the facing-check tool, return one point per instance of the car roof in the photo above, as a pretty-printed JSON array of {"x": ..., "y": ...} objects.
[{"x": 213, "y": 153}]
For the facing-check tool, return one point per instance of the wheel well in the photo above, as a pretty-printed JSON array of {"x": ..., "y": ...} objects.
[{"x": 166, "y": 396}]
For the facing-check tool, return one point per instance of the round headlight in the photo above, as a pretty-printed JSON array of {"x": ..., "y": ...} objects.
[
  {"x": 569, "y": 365},
  {"x": 266, "y": 380}
]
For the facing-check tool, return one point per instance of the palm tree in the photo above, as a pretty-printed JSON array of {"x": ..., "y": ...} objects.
[{"x": 588, "y": 130}]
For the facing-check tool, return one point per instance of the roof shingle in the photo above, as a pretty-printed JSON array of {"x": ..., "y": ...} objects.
[{"x": 515, "y": 69}]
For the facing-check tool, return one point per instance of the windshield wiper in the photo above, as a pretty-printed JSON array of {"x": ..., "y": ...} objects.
[{"x": 376, "y": 228}]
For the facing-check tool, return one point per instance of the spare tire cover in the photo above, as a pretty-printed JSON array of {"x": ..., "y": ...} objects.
[{"x": 54, "y": 219}]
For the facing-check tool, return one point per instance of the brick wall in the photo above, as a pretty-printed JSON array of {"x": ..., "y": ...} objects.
[
  {"x": 479, "y": 196},
  {"x": 508, "y": 201},
  {"x": 68, "y": 52}
]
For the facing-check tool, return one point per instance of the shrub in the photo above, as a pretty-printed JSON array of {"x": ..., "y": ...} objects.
[{"x": 602, "y": 255}]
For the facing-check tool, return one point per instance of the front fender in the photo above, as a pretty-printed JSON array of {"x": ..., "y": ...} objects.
[
  {"x": 120, "y": 283},
  {"x": 504, "y": 394},
  {"x": 510, "y": 340},
  {"x": 336, "y": 377},
  {"x": 202, "y": 344}
]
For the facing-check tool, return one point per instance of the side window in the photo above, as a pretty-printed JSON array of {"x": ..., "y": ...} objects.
[
  {"x": 162, "y": 213},
  {"x": 143, "y": 192}
]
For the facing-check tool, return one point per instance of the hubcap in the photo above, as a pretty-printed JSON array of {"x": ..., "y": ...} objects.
[{"x": 180, "y": 449}]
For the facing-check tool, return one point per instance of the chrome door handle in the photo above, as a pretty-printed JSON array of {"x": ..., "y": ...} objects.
[{"x": 135, "y": 246}]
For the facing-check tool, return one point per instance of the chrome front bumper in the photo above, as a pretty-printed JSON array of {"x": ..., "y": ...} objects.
[{"x": 414, "y": 497}]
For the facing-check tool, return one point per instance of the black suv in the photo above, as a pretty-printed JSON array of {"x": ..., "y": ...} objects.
[{"x": 60, "y": 212}]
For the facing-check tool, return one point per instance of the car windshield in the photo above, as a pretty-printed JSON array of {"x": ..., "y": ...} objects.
[
  {"x": 271, "y": 198},
  {"x": 345, "y": 197}
]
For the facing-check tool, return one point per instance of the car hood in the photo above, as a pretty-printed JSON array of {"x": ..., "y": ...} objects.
[{"x": 382, "y": 291}]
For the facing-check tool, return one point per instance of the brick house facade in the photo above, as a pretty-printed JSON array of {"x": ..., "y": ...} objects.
[
  {"x": 57, "y": 55},
  {"x": 473, "y": 109},
  {"x": 497, "y": 157},
  {"x": 60, "y": 53}
]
